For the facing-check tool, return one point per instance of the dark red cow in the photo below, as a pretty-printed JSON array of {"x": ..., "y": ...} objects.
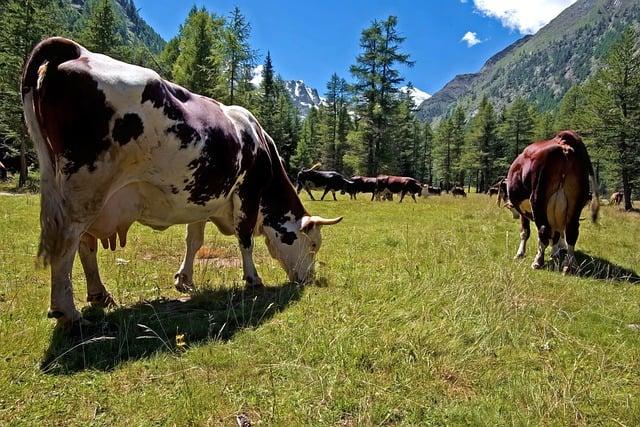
[
  {"x": 402, "y": 185},
  {"x": 548, "y": 183}
]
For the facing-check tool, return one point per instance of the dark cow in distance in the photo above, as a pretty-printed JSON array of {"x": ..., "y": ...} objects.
[
  {"x": 361, "y": 184},
  {"x": 402, "y": 185},
  {"x": 313, "y": 179},
  {"x": 548, "y": 183},
  {"x": 431, "y": 190},
  {"x": 458, "y": 191},
  {"x": 118, "y": 144}
]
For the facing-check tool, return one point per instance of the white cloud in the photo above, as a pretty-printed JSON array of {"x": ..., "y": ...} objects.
[
  {"x": 256, "y": 79},
  {"x": 526, "y": 16},
  {"x": 471, "y": 38}
]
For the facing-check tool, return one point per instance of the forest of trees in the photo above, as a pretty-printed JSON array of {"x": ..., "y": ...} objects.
[{"x": 365, "y": 124}]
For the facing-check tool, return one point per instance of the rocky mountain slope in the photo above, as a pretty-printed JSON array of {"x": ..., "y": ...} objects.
[{"x": 542, "y": 67}]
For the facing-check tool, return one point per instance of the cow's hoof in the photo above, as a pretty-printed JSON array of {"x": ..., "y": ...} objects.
[
  {"x": 253, "y": 282},
  {"x": 103, "y": 299},
  {"x": 537, "y": 265},
  {"x": 67, "y": 321},
  {"x": 183, "y": 283}
]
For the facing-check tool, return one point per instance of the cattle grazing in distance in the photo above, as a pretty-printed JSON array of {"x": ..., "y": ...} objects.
[
  {"x": 548, "y": 183},
  {"x": 429, "y": 190},
  {"x": 402, "y": 185},
  {"x": 118, "y": 144},
  {"x": 458, "y": 191},
  {"x": 361, "y": 184},
  {"x": 313, "y": 179},
  {"x": 616, "y": 198}
]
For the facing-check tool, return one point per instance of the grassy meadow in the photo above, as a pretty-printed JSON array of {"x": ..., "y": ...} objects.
[{"x": 420, "y": 317}]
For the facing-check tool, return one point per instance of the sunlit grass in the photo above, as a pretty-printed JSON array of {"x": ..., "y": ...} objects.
[{"x": 422, "y": 317}]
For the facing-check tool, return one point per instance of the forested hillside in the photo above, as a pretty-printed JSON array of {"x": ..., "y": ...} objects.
[{"x": 542, "y": 67}]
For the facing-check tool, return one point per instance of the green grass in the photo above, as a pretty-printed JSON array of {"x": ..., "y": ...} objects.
[{"x": 422, "y": 317}]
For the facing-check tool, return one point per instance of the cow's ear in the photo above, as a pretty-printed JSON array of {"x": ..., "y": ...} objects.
[{"x": 308, "y": 222}]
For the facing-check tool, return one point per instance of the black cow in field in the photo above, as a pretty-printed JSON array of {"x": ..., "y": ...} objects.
[
  {"x": 360, "y": 184},
  {"x": 458, "y": 191},
  {"x": 313, "y": 179},
  {"x": 429, "y": 190},
  {"x": 402, "y": 185},
  {"x": 548, "y": 183}
]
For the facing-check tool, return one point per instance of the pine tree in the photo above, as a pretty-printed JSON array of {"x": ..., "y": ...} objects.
[
  {"x": 24, "y": 23},
  {"x": 518, "y": 126},
  {"x": 268, "y": 95},
  {"x": 238, "y": 59},
  {"x": 308, "y": 150},
  {"x": 458, "y": 123},
  {"x": 333, "y": 126},
  {"x": 197, "y": 65},
  {"x": 100, "y": 33},
  {"x": 442, "y": 153},
  {"x": 484, "y": 137},
  {"x": 425, "y": 165},
  {"x": 614, "y": 98}
]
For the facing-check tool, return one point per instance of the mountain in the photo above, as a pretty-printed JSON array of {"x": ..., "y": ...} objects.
[
  {"x": 418, "y": 96},
  {"x": 303, "y": 96},
  {"x": 541, "y": 67},
  {"x": 131, "y": 26}
]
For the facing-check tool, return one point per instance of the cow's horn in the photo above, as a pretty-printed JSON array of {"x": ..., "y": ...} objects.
[{"x": 308, "y": 221}]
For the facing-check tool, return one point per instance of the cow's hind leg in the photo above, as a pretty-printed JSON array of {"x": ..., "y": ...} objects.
[
  {"x": 195, "y": 239},
  {"x": 571, "y": 234},
  {"x": 245, "y": 215},
  {"x": 326, "y": 190},
  {"x": 333, "y": 193},
  {"x": 97, "y": 293},
  {"x": 544, "y": 234},
  {"x": 525, "y": 232},
  {"x": 309, "y": 192},
  {"x": 62, "y": 306}
]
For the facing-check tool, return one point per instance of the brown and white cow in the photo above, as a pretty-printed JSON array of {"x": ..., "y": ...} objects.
[
  {"x": 616, "y": 198},
  {"x": 548, "y": 183},
  {"x": 118, "y": 144}
]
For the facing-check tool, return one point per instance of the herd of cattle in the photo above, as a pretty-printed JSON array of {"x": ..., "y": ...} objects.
[
  {"x": 117, "y": 144},
  {"x": 381, "y": 187}
]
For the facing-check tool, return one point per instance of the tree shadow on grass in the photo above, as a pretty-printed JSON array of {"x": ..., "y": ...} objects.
[
  {"x": 148, "y": 327},
  {"x": 591, "y": 267}
]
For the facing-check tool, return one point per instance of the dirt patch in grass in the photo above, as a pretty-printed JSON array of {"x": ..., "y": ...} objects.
[{"x": 221, "y": 257}]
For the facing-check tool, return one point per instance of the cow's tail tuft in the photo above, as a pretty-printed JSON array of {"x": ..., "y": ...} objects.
[{"x": 44, "y": 61}]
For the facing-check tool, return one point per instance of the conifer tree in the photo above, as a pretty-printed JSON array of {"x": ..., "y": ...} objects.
[
  {"x": 238, "y": 59},
  {"x": 100, "y": 33}
]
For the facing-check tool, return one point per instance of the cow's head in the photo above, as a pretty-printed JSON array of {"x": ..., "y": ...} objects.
[{"x": 295, "y": 243}]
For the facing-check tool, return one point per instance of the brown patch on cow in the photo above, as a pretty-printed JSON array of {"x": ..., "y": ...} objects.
[{"x": 127, "y": 128}]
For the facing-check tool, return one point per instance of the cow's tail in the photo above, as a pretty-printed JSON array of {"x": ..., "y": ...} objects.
[
  {"x": 40, "y": 67},
  {"x": 595, "y": 197}
]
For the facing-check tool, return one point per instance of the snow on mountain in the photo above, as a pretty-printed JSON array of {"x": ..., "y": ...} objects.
[
  {"x": 417, "y": 95},
  {"x": 303, "y": 96}
]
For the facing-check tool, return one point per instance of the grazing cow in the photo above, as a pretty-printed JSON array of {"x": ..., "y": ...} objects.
[
  {"x": 402, "y": 185},
  {"x": 431, "y": 190},
  {"x": 360, "y": 184},
  {"x": 616, "y": 198},
  {"x": 458, "y": 191},
  {"x": 312, "y": 179},
  {"x": 118, "y": 144},
  {"x": 548, "y": 183},
  {"x": 502, "y": 192}
]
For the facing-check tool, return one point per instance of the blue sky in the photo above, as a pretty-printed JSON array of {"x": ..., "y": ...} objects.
[{"x": 311, "y": 40}]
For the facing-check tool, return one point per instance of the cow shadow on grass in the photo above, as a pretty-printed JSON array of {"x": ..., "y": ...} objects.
[
  {"x": 163, "y": 326},
  {"x": 592, "y": 267}
]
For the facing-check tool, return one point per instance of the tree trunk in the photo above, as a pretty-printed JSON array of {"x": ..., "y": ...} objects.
[
  {"x": 23, "y": 164},
  {"x": 626, "y": 189}
]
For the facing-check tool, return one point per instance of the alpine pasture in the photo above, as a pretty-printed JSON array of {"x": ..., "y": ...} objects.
[{"x": 419, "y": 316}]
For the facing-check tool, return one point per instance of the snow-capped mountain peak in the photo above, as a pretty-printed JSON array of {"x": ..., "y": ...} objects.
[
  {"x": 303, "y": 96},
  {"x": 418, "y": 96}
]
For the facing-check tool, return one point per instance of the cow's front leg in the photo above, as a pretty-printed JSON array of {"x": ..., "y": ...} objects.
[
  {"x": 525, "y": 232},
  {"x": 326, "y": 190},
  {"x": 413, "y": 196},
  {"x": 194, "y": 240},
  {"x": 402, "y": 194},
  {"x": 334, "y": 196},
  {"x": 245, "y": 215},
  {"x": 97, "y": 293},
  {"x": 62, "y": 306}
]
